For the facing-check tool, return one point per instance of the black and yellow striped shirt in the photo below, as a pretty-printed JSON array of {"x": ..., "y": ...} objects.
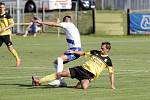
[
  {"x": 5, "y": 21},
  {"x": 97, "y": 63}
]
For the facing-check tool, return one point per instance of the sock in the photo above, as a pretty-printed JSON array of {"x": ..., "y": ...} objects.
[
  {"x": 60, "y": 66},
  {"x": 48, "y": 78},
  {"x": 15, "y": 54},
  {"x": 26, "y": 33}
]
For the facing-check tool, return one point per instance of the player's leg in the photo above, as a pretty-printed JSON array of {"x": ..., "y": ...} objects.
[
  {"x": 26, "y": 33},
  {"x": 37, "y": 82},
  {"x": 64, "y": 58},
  {"x": 1, "y": 41},
  {"x": 50, "y": 77},
  {"x": 36, "y": 31},
  {"x": 15, "y": 54},
  {"x": 7, "y": 40},
  {"x": 59, "y": 62},
  {"x": 82, "y": 75},
  {"x": 78, "y": 86},
  {"x": 85, "y": 83},
  {"x": 59, "y": 68},
  {"x": 35, "y": 34}
]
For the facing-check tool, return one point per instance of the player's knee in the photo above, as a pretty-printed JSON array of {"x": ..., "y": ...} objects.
[
  {"x": 55, "y": 62},
  {"x": 85, "y": 86},
  {"x": 10, "y": 47}
]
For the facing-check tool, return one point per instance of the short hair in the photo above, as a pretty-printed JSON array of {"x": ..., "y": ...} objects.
[
  {"x": 66, "y": 17},
  {"x": 108, "y": 45},
  {"x": 35, "y": 18},
  {"x": 1, "y": 3}
]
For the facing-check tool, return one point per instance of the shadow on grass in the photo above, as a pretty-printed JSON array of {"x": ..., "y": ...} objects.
[
  {"x": 29, "y": 86},
  {"x": 34, "y": 87}
]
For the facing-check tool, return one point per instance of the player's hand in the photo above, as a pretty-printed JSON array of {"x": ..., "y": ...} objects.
[{"x": 3, "y": 29}]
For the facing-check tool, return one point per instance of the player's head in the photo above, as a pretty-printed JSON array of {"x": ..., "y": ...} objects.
[
  {"x": 1, "y": 3},
  {"x": 2, "y": 7},
  {"x": 67, "y": 19},
  {"x": 105, "y": 47},
  {"x": 35, "y": 18}
]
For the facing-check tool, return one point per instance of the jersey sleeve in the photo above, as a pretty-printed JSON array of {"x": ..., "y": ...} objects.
[
  {"x": 10, "y": 19},
  {"x": 110, "y": 66},
  {"x": 95, "y": 52},
  {"x": 110, "y": 69},
  {"x": 63, "y": 24},
  {"x": 87, "y": 54},
  {"x": 92, "y": 52}
]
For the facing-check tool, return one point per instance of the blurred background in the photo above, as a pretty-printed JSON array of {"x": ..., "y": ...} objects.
[{"x": 100, "y": 17}]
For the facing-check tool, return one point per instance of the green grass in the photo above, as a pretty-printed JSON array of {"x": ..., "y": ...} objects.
[{"x": 130, "y": 56}]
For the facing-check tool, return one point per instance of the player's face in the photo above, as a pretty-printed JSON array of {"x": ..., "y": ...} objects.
[
  {"x": 66, "y": 19},
  {"x": 2, "y": 8},
  {"x": 104, "y": 50}
]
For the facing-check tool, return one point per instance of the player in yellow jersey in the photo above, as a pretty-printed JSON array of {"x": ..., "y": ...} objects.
[
  {"x": 6, "y": 23},
  {"x": 97, "y": 61}
]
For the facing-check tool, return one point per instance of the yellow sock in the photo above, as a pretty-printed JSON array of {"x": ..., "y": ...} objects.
[
  {"x": 48, "y": 78},
  {"x": 15, "y": 54}
]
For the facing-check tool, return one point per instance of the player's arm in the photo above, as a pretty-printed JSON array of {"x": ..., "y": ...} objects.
[
  {"x": 112, "y": 77},
  {"x": 29, "y": 26},
  {"x": 55, "y": 24},
  {"x": 11, "y": 24},
  {"x": 81, "y": 53}
]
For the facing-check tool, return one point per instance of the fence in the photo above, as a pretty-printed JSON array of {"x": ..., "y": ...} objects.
[
  {"x": 123, "y": 4},
  {"x": 79, "y": 17}
]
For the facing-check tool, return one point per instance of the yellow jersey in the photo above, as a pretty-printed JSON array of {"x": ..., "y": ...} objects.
[
  {"x": 97, "y": 63},
  {"x": 5, "y": 21}
]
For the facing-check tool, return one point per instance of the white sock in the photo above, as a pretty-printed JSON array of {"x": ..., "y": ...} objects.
[{"x": 60, "y": 65}]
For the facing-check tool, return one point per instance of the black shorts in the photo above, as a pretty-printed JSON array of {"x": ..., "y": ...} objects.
[
  {"x": 80, "y": 73},
  {"x": 5, "y": 39}
]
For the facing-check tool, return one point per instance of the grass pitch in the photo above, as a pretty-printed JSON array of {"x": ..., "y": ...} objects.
[{"x": 130, "y": 56}]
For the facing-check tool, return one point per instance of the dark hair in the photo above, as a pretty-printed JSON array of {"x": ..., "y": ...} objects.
[
  {"x": 108, "y": 45},
  {"x": 1, "y": 3},
  {"x": 66, "y": 17},
  {"x": 35, "y": 18}
]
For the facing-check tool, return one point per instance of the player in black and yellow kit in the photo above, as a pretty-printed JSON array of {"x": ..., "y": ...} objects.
[
  {"x": 90, "y": 70},
  {"x": 6, "y": 23}
]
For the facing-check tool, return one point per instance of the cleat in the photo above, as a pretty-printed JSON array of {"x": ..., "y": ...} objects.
[
  {"x": 55, "y": 83},
  {"x": 63, "y": 84},
  {"x": 58, "y": 83},
  {"x": 18, "y": 63},
  {"x": 35, "y": 82}
]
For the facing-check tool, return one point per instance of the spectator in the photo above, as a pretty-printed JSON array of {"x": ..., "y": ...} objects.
[{"x": 33, "y": 28}]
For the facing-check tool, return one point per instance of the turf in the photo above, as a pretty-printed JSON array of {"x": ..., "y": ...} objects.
[{"x": 130, "y": 56}]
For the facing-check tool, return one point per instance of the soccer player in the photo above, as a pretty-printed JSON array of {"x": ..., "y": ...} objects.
[
  {"x": 6, "y": 23},
  {"x": 74, "y": 43},
  {"x": 97, "y": 61}
]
